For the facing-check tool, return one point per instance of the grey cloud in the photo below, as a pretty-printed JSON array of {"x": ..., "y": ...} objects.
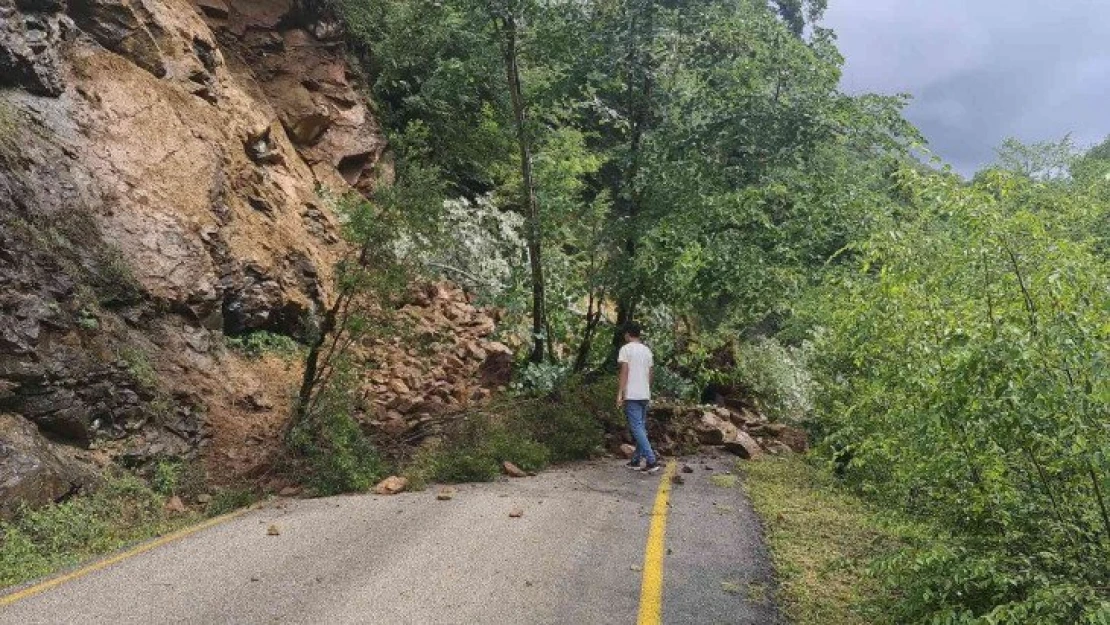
[{"x": 983, "y": 70}]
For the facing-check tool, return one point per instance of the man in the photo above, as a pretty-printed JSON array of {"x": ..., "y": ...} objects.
[{"x": 634, "y": 394}]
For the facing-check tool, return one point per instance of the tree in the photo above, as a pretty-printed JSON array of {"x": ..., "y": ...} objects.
[
  {"x": 1045, "y": 160},
  {"x": 507, "y": 17},
  {"x": 796, "y": 13}
]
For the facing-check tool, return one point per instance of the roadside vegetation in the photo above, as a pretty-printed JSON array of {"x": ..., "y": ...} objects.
[
  {"x": 823, "y": 541},
  {"x": 122, "y": 512}
]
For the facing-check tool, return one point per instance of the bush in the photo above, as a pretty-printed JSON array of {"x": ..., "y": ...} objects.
[
  {"x": 258, "y": 344},
  {"x": 777, "y": 377},
  {"x": 333, "y": 453}
]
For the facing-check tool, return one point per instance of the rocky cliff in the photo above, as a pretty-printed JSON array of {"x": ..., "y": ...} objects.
[{"x": 162, "y": 169}]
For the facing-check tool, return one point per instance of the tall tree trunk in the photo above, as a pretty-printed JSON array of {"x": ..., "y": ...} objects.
[
  {"x": 535, "y": 232},
  {"x": 593, "y": 318},
  {"x": 638, "y": 90}
]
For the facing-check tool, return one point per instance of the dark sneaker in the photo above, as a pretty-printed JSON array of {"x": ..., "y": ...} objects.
[
  {"x": 635, "y": 466},
  {"x": 652, "y": 467}
]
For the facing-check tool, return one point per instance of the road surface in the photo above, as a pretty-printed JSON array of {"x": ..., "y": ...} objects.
[{"x": 576, "y": 556}]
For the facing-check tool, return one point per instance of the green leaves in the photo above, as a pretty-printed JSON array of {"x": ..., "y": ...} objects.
[{"x": 964, "y": 369}]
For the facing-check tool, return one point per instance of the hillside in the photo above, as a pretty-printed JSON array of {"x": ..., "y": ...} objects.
[{"x": 167, "y": 169}]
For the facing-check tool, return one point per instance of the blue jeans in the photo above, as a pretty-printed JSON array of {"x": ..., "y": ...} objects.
[{"x": 636, "y": 412}]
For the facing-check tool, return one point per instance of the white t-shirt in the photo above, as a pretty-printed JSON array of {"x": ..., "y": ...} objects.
[{"x": 639, "y": 360}]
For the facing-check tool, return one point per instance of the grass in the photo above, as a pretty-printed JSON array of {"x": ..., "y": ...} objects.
[
  {"x": 138, "y": 365},
  {"x": 9, "y": 132},
  {"x": 230, "y": 500},
  {"x": 725, "y": 481},
  {"x": 822, "y": 540},
  {"x": 125, "y": 511}
]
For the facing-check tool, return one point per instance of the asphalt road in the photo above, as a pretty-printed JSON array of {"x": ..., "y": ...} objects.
[{"x": 574, "y": 557}]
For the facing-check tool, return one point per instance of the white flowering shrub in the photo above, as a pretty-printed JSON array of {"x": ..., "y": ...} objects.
[
  {"x": 779, "y": 378},
  {"x": 483, "y": 246}
]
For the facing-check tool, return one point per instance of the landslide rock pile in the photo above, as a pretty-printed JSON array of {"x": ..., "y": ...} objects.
[
  {"x": 680, "y": 429},
  {"x": 444, "y": 361}
]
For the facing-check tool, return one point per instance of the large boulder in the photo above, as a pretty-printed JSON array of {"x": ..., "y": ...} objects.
[
  {"x": 713, "y": 430},
  {"x": 744, "y": 446},
  {"x": 32, "y": 471}
]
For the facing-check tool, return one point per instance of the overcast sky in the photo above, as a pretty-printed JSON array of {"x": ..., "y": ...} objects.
[{"x": 983, "y": 70}]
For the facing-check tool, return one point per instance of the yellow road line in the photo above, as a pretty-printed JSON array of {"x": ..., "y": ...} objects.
[
  {"x": 31, "y": 591},
  {"x": 651, "y": 589}
]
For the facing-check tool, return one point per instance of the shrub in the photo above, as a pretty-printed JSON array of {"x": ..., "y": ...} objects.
[
  {"x": 777, "y": 377},
  {"x": 333, "y": 452},
  {"x": 167, "y": 477},
  {"x": 258, "y": 344},
  {"x": 337, "y": 456}
]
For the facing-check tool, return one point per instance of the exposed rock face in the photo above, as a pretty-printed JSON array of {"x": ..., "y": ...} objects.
[
  {"x": 33, "y": 471},
  {"x": 295, "y": 52},
  {"x": 158, "y": 171}
]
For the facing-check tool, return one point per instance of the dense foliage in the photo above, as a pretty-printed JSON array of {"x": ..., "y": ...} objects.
[
  {"x": 965, "y": 368},
  {"x": 694, "y": 166},
  {"x": 694, "y": 155}
]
